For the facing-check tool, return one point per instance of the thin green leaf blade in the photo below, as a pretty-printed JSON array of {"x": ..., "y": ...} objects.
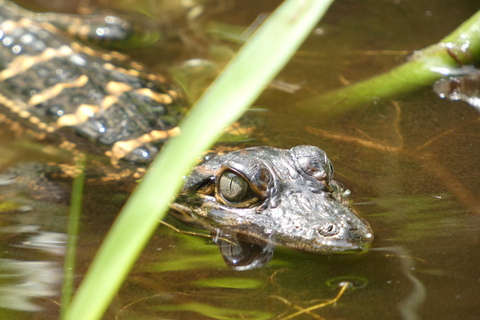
[{"x": 254, "y": 66}]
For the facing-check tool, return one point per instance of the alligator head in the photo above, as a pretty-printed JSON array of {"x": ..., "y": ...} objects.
[{"x": 273, "y": 196}]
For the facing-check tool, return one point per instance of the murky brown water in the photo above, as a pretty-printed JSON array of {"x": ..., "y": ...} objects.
[{"x": 411, "y": 164}]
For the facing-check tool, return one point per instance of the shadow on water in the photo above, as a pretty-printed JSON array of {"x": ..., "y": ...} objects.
[{"x": 411, "y": 165}]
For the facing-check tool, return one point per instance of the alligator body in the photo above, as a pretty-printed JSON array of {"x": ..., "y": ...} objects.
[{"x": 53, "y": 81}]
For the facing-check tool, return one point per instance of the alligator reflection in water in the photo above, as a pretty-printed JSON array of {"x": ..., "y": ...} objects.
[
  {"x": 243, "y": 254},
  {"x": 263, "y": 196}
]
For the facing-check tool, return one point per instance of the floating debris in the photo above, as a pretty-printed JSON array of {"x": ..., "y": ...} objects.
[{"x": 465, "y": 87}]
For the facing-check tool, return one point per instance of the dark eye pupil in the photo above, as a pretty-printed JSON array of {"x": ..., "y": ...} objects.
[
  {"x": 328, "y": 230},
  {"x": 330, "y": 175},
  {"x": 233, "y": 187}
]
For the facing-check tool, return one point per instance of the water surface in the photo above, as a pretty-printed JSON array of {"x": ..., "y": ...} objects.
[{"x": 410, "y": 163}]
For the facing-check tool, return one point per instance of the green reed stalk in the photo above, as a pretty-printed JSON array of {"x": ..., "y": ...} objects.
[
  {"x": 242, "y": 81},
  {"x": 73, "y": 226}
]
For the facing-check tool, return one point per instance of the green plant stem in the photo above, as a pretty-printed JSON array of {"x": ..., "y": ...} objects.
[
  {"x": 253, "y": 67},
  {"x": 73, "y": 227},
  {"x": 425, "y": 67}
]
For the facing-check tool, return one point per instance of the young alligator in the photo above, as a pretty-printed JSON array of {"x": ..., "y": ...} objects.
[{"x": 261, "y": 194}]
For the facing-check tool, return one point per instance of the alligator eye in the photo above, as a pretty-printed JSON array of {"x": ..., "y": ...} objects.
[
  {"x": 328, "y": 230},
  {"x": 235, "y": 189},
  {"x": 314, "y": 163}
]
